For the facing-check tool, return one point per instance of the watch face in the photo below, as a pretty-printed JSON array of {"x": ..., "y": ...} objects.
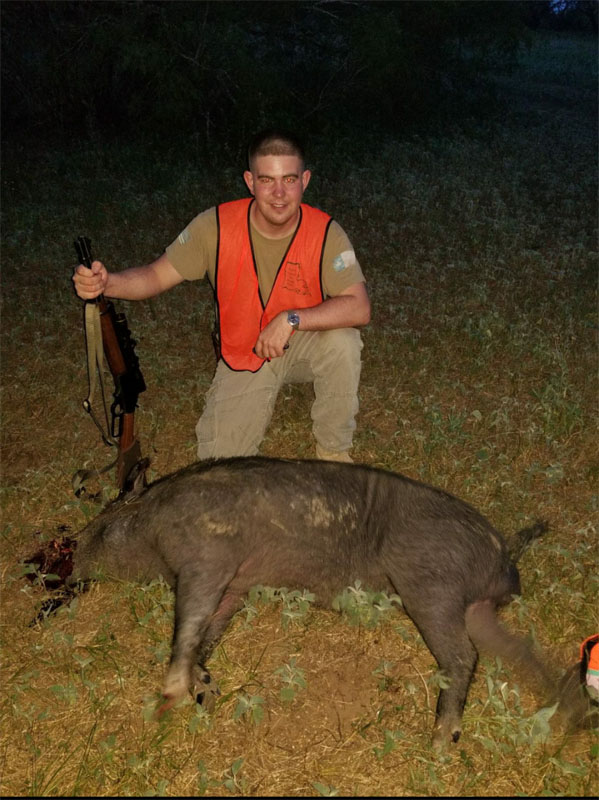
[{"x": 293, "y": 319}]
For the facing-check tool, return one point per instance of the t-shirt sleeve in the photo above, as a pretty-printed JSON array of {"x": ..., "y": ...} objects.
[
  {"x": 340, "y": 267},
  {"x": 193, "y": 253}
]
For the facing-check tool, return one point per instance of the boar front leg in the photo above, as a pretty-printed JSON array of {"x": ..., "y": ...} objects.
[
  {"x": 204, "y": 688},
  {"x": 198, "y": 596}
]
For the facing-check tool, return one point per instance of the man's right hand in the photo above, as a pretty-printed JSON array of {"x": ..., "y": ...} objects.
[{"x": 90, "y": 283}]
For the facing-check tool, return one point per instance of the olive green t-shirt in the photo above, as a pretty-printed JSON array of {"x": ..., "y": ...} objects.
[{"x": 193, "y": 255}]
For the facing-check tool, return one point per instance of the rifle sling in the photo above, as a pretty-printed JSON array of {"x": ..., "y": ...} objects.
[
  {"x": 95, "y": 374},
  {"x": 81, "y": 477},
  {"x": 96, "y": 368}
]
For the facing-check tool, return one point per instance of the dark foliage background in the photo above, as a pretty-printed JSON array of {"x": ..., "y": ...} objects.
[{"x": 217, "y": 71}]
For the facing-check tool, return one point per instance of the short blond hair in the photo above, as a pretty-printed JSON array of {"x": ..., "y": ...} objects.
[{"x": 275, "y": 142}]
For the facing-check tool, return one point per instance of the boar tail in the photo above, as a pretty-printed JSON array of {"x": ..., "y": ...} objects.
[
  {"x": 488, "y": 635},
  {"x": 520, "y": 541}
]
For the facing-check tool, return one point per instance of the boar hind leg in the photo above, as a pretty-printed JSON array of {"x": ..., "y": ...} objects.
[
  {"x": 197, "y": 598},
  {"x": 448, "y": 641},
  {"x": 457, "y": 661}
]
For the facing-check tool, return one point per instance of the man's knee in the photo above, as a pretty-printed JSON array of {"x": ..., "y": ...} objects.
[
  {"x": 338, "y": 356},
  {"x": 224, "y": 439},
  {"x": 341, "y": 340}
]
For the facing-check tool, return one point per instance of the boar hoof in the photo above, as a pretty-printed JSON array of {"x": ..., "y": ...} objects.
[
  {"x": 205, "y": 690},
  {"x": 443, "y": 736}
]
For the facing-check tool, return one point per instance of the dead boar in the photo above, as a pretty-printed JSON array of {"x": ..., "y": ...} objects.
[{"x": 217, "y": 528}]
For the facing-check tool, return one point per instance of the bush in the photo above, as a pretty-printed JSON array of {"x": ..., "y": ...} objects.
[{"x": 220, "y": 71}]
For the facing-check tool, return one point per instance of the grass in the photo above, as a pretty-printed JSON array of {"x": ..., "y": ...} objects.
[{"x": 479, "y": 375}]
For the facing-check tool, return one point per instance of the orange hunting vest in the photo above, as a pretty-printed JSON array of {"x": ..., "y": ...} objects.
[{"x": 241, "y": 312}]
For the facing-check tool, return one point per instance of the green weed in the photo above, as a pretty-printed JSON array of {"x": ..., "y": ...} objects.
[
  {"x": 295, "y": 603},
  {"x": 249, "y": 706},
  {"x": 293, "y": 678},
  {"x": 233, "y": 780},
  {"x": 365, "y": 607},
  {"x": 324, "y": 790}
]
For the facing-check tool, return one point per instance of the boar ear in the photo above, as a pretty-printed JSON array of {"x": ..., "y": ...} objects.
[{"x": 136, "y": 479}]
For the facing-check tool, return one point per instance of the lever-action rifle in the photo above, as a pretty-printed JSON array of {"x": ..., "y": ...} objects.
[{"x": 119, "y": 349}]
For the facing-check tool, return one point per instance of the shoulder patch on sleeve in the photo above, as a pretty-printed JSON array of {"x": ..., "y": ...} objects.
[
  {"x": 184, "y": 236},
  {"x": 344, "y": 260}
]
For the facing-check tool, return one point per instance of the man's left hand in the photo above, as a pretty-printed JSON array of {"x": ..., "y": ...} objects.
[{"x": 274, "y": 339}]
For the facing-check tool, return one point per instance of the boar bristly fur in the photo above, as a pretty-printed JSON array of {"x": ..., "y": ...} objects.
[{"x": 215, "y": 529}]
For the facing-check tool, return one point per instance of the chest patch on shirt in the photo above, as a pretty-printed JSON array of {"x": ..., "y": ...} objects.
[
  {"x": 344, "y": 260},
  {"x": 294, "y": 280}
]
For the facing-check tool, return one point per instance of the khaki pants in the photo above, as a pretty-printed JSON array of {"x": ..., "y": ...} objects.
[{"x": 239, "y": 405}]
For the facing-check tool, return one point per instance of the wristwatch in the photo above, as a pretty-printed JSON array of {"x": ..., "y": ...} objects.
[{"x": 293, "y": 319}]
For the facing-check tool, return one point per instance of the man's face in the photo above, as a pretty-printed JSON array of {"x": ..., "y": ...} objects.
[{"x": 277, "y": 183}]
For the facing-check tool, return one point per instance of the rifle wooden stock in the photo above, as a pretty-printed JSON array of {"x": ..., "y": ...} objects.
[
  {"x": 129, "y": 450},
  {"x": 119, "y": 351},
  {"x": 112, "y": 348}
]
